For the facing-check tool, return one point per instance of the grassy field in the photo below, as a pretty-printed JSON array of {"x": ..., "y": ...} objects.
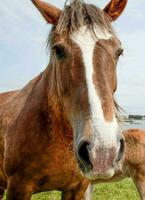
[{"x": 124, "y": 190}]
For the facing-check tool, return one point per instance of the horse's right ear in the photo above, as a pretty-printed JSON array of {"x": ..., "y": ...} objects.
[{"x": 49, "y": 12}]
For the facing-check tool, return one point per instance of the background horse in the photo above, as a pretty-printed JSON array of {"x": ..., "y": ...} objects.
[{"x": 67, "y": 114}]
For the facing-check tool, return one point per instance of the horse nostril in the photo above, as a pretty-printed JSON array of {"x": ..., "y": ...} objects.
[
  {"x": 121, "y": 150},
  {"x": 83, "y": 153}
]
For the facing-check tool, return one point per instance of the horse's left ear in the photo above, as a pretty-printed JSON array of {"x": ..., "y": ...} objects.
[
  {"x": 49, "y": 12},
  {"x": 115, "y": 8}
]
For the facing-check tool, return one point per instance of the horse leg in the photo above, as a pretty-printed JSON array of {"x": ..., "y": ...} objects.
[
  {"x": 72, "y": 195},
  {"x": 88, "y": 194},
  {"x": 138, "y": 176},
  {"x": 1, "y": 193},
  {"x": 18, "y": 189},
  {"x": 69, "y": 195},
  {"x": 139, "y": 181},
  {"x": 140, "y": 185},
  {"x": 76, "y": 193}
]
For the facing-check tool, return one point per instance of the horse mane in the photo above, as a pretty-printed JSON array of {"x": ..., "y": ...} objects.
[{"x": 118, "y": 111}]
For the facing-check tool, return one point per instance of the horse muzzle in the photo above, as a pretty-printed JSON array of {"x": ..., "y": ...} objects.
[{"x": 99, "y": 162}]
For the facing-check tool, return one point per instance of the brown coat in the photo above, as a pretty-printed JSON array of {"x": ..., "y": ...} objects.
[{"x": 44, "y": 161}]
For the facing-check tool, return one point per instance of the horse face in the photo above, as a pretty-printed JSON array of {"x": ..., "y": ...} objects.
[
  {"x": 86, "y": 70},
  {"x": 98, "y": 142},
  {"x": 84, "y": 61}
]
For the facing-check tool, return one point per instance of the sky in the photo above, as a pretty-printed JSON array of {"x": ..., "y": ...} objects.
[{"x": 23, "y": 54}]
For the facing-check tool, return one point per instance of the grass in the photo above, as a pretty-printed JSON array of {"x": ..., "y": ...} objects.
[{"x": 123, "y": 190}]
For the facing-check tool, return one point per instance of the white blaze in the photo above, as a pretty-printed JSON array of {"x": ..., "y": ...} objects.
[{"x": 104, "y": 131}]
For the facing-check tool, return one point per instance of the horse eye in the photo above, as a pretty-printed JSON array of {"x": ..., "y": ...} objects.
[
  {"x": 120, "y": 52},
  {"x": 60, "y": 52}
]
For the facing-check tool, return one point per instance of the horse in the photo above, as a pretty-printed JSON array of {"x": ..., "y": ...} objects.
[
  {"x": 63, "y": 125},
  {"x": 133, "y": 164}
]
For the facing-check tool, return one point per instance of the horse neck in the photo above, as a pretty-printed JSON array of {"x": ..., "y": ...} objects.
[{"x": 53, "y": 107}]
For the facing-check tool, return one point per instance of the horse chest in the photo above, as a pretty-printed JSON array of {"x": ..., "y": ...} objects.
[{"x": 62, "y": 172}]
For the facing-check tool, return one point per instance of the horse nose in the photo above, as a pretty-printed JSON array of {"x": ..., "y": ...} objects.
[
  {"x": 99, "y": 160},
  {"x": 84, "y": 147},
  {"x": 121, "y": 149},
  {"x": 83, "y": 152}
]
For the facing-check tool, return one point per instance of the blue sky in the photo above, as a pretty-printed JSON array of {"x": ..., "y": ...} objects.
[{"x": 23, "y": 55}]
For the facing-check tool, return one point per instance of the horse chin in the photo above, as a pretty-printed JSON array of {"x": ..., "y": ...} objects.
[{"x": 93, "y": 176}]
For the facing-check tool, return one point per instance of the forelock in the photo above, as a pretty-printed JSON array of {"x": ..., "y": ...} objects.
[{"x": 77, "y": 14}]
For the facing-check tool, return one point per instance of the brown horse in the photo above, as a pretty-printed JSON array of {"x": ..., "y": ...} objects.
[
  {"x": 66, "y": 115},
  {"x": 134, "y": 162}
]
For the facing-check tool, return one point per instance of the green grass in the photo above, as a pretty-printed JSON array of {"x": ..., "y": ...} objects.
[
  {"x": 47, "y": 196},
  {"x": 123, "y": 190}
]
